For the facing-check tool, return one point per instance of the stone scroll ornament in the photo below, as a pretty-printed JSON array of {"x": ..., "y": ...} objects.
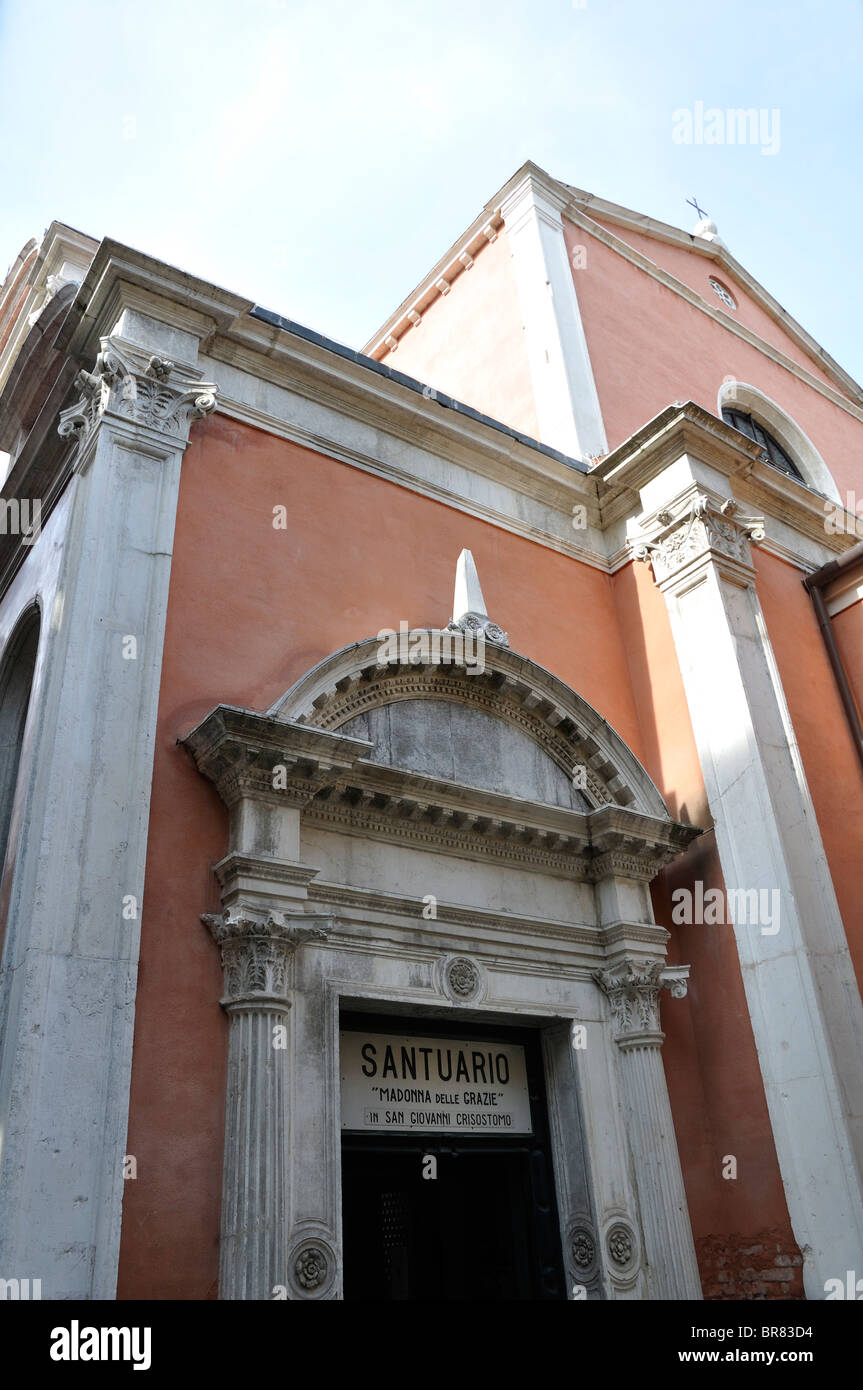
[
  {"x": 146, "y": 390},
  {"x": 256, "y": 953},
  {"x": 475, "y": 622},
  {"x": 706, "y": 527}
]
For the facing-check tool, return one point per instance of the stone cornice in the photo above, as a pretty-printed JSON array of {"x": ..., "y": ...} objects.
[
  {"x": 311, "y": 367},
  {"x": 338, "y": 789},
  {"x": 223, "y": 322},
  {"x": 60, "y": 247},
  {"x": 240, "y": 751},
  {"x": 120, "y": 276},
  {"x": 688, "y": 429},
  {"x": 263, "y": 867},
  {"x": 422, "y": 433},
  {"x": 346, "y": 899}
]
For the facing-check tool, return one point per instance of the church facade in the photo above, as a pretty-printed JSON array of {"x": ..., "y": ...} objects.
[{"x": 430, "y": 779}]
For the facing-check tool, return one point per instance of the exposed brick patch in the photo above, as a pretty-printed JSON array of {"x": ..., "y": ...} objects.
[{"x": 760, "y": 1265}]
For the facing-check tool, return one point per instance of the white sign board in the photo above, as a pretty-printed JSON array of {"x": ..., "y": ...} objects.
[{"x": 433, "y": 1085}]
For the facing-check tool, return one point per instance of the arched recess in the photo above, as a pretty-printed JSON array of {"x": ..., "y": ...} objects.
[
  {"x": 511, "y": 688},
  {"x": 741, "y": 395},
  {"x": 36, "y": 367},
  {"x": 16, "y": 681}
]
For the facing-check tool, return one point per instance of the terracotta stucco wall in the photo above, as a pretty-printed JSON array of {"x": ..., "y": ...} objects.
[
  {"x": 695, "y": 270},
  {"x": 649, "y": 347},
  {"x": 470, "y": 343},
  {"x": 252, "y": 608},
  {"x": 848, "y": 633},
  {"x": 830, "y": 762}
]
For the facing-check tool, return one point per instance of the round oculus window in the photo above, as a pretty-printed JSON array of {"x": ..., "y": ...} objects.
[{"x": 723, "y": 293}]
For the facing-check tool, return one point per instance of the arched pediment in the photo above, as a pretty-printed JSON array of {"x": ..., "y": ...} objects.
[{"x": 352, "y": 683}]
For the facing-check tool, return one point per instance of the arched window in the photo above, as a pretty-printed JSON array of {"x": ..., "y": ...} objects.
[
  {"x": 792, "y": 452},
  {"x": 16, "y": 680},
  {"x": 745, "y": 423}
]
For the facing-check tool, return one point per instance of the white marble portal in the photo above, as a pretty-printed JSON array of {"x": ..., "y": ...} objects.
[{"x": 362, "y": 861}]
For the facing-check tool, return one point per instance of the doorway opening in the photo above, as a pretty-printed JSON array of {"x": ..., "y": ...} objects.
[{"x": 449, "y": 1216}]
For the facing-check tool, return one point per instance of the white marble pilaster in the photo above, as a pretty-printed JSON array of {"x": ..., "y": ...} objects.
[
  {"x": 567, "y": 404},
  {"x": 803, "y": 1000},
  {"x": 67, "y": 988}
]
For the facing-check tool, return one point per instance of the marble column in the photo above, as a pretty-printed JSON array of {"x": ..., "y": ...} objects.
[
  {"x": 257, "y": 959},
  {"x": 633, "y": 987}
]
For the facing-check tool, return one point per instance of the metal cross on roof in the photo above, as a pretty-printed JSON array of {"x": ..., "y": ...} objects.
[{"x": 693, "y": 203}]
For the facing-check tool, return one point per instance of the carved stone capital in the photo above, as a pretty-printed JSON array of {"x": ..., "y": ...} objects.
[
  {"x": 633, "y": 988},
  {"x": 706, "y": 531},
  {"x": 257, "y": 955},
  {"x": 147, "y": 391}
]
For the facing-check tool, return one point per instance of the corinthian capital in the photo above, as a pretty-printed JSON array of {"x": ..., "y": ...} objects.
[
  {"x": 707, "y": 530},
  {"x": 144, "y": 390},
  {"x": 633, "y": 988},
  {"x": 257, "y": 954}
]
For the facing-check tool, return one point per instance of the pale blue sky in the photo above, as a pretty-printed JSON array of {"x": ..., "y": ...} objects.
[{"x": 320, "y": 157}]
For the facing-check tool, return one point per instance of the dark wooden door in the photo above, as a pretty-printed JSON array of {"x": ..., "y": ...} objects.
[{"x": 485, "y": 1228}]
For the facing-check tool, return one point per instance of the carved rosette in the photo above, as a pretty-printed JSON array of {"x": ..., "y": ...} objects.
[
  {"x": 582, "y": 1249},
  {"x": 633, "y": 989},
  {"x": 620, "y": 1245},
  {"x": 312, "y": 1268},
  {"x": 462, "y": 979},
  {"x": 706, "y": 531},
  {"x": 147, "y": 391},
  {"x": 257, "y": 956}
]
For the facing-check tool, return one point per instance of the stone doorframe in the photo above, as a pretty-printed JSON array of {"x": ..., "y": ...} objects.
[{"x": 298, "y": 943}]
